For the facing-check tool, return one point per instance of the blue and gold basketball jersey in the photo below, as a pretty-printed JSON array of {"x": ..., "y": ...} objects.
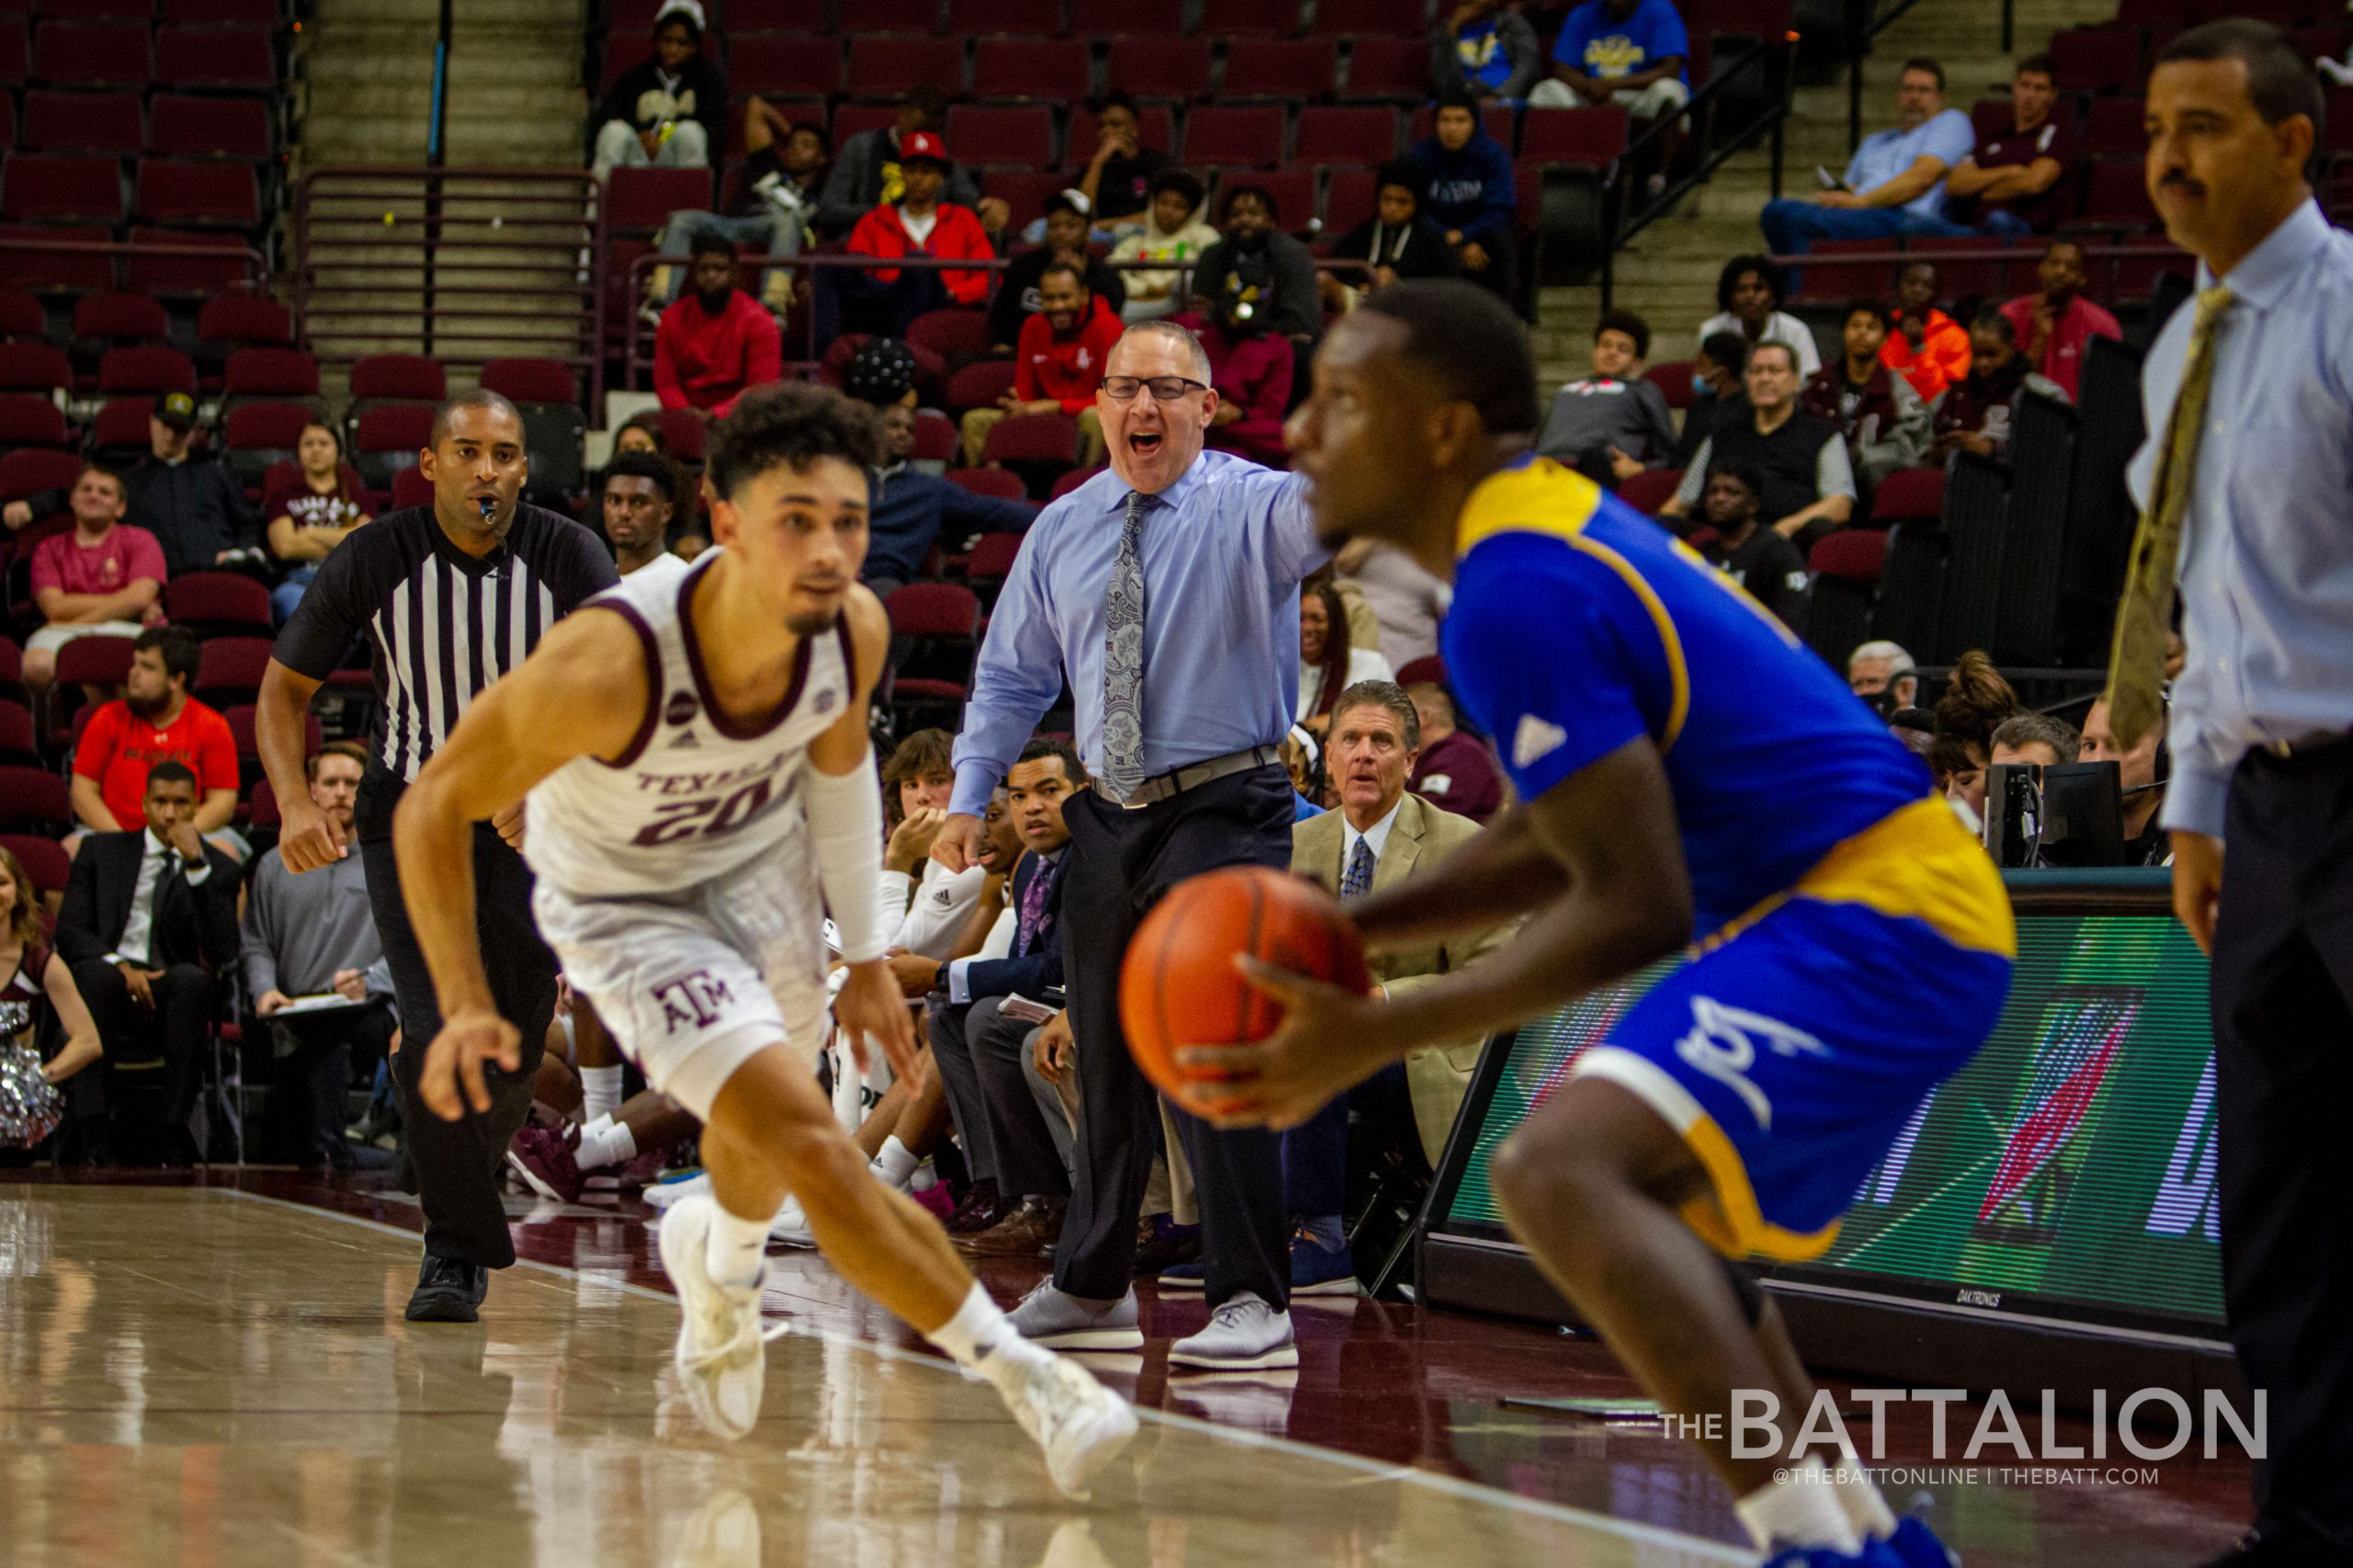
[{"x": 1579, "y": 625}]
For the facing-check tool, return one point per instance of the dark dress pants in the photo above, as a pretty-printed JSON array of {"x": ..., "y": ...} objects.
[
  {"x": 2282, "y": 988},
  {"x": 456, "y": 1162},
  {"x": 175, "y": 1031},
  {"x": 314, "y": 1077},
  {"x": 979, "y": 1054},
  {"x": 1315, "y": 1152},
  {"x": 1121, "y": 863}
]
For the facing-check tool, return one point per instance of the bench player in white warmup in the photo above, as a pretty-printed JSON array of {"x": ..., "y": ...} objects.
[{"x": 697, "y": 763}]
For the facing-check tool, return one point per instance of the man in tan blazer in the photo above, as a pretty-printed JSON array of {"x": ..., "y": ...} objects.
[{"x": 1378, "y": 835}]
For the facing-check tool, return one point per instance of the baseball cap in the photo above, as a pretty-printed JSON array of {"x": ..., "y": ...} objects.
[
  {"x": 177, "y": 410},
  {"x": 923, "y": 144}
]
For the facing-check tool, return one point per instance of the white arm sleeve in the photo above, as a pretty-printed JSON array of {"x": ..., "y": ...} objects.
[{"x": 846, "y": 836}]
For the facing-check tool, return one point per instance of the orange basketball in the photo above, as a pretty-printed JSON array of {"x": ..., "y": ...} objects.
[{"x": 1178, "y": 986}]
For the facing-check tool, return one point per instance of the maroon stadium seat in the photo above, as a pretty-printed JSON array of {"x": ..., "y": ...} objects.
[
  {"x": 1032, "y": 437},
  {"x": 208, "y": 12},
  {"x": 21, "y": 317},
  {"x": 44, "y": 860},
  {"x": 121, "y": 426},
  {"x": 16, "y": 57},
  {"x": 1650, "y": 489},
  {"x": 991, "y": 557},
  {"x": 188, "y": 274},
  {"x": 244, "y": 318},
  {"x": 2116, "y": 196},
  {"x": 1158, "y": 68},
  {"x": 1909, "y": 495},
  {"x": 773, "y": 17},
  {"x": 531, "y": 380},
  {"x": 977, "y": 18},
  {"x": 1350, "y": 199},
  {"x": 1292, "y": 191},
  {"x": 889, "y": 67},
  {"x": 35, "y": 797},
  {"x": 1220, "y": 133},
  {"x": 1001, "y": 483},
  {"x": 190, "y": 127},
  {"x": 979, "y": 386},
  {"x": 1011, "y": 138},
  {"x": 851, "y": 118},
  {"x": 1063, "y": 487},
  {"x": 1294, "y": 70},
  {"x": 644, "y": 199},
  {"x": 216, "y": 57},
  {"x": 28, "y": 419},
  {"x": 24, "y": 261},
  {"x": 1327, "y": 135},
  {"x": 94, "y": 661},
  {"x": 240, "y": 720},
  {"x": 139, "y": 11},
  {"x": 2115, "y": 126},
  {"x": 122, "y": 318},
  {"x": 770, "y": 66},
  {"x": 1674, "y": 380},
  {"x": 185, "y": 190},
  {"x": 30, "y": 471},
  {"x": 893, "y": 16},
  {"x": 58, "y": 188},
  {"x": 265, "y": 427},
  {"x": 35, "y": 367},
  {"x": 218, "y": 603},
  {"x": 404, "y": 377},
  {"x": 387, "y": 438},
  {"x": 1589, "y": 137},
  {"x": 1395, "y": 70},
  {"x": 950, "y": 333},
  {"x": 82, "y": 122},
  {"x": 411, "y": 488},
  {"x": 934, "y": 438},
  {"x": 2096, "y": 59},
  {"x": 1125, "y": 19},
  {"x": 228, "y": 670},
  {"x": 1858, "y": 555},
  {"x": 91, "y": 54},
  {"x": 270, "y": 372},
  {"x": 684, "y": 432},
  {"x": 1054, "y": 70},
  {"x": 1026, "y": 193},
  {"x": 1248, "y": 18},
  {"x": 1371, "y": 18},
  {"x": 127, "y": 373}
]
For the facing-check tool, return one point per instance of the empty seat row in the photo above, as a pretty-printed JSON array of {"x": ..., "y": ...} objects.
[
  {"x": 178, "y": 124},
  {"x": 114, "y": 54},
  {"x": 194, "y": 12},
  {"x": 45, "y": 188},
  {"x": 1094, "y": 18}
]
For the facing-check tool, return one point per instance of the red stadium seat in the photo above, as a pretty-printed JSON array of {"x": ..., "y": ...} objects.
[
  {"x": 30, "y": 469},
  {"x": 1650, "y": 489},
  {"x": 1395, "y": 70},
  {"x": 644, "y": 199},
  {"x": 404, "y": 377},
  {"x": 1909, "y": 495},
  {"x": 266, "y": 430},
  {"x": 34, "y": 367},
  {"x": 1858, "y": 555},
  {"x": 893, "y": 16},
  {"x": 216, "y": 57},
  {"x": 270, "y": 372},
  {"x": 44, "y": 860},
  {"x": 411, "y": 488},
  {"x": 2096, "y": 59},
  {"x": 82, "y": 122},
  {"x": 261, "y": 806},
  {"x": 1371, "y": 18},
  {"x": 1009, "y": 138},
  {"x": 683, "y": 433},
  {"x": 1156, "y": 127},
  {"x": 1125, "y": 19},
  {"x": 994, "y": 482},
  {"x": 19, "y": 739},
  {"x": 244, "y": 318},
  {"x": 979, "y": 386},
  {"x": 773, "y": 17},
  {"x": 125, "y": 372},
  {"x": 2116, "y": 196},
  {"x": 1156, "y": 68},
  {"x": 2114, "y": 126},
  {"x": 950, "y": 333},
  {"x": 119, "y": 431},
  {"x": 1294, "y": 70},
  {"x": 15, "y": 56},
  {"x": 190, "y": 127},
  {"x": 1032, "y": 437},
  {"x": 991, "y": 557},
  {"x": 139, "y": 11},
  {"x": 1327, "y": 135},
  {"x": 28, "y": 419},
  {"x": 771, "y": 66},
  {"x": 92, "y": 54},
  {"x": 215, "y": 13},
  {"x": 21, "y": 317},
  {"x": 1293, "y": 192},
  {"x": 1350, "y": 199},
  {"x": 531, "y": 380},
  {"x": 890, "y": 67},
  {"x": 1027, "y": 194},
  {"x": 977, "y": 18},
  {"x": 36, "y": 798},
  {"x": 1248, "y": 18},
  {"x": 1064, "y": 486},
  {"x": 188, "y": 274},
  {"x": 94, "y": 661},
  {"x": 25, "y": 263},
  {"x": 1220, "y": 133},
  {"x": 122, "y": 318},
  {"x": 55, "y": 189},
  {"x": 240, "y": 720},
  {"x": 1589, "y": 137},
  {"x": 218, "y": 603},
  {"x": 1674, "y": 380},
  {"x": 1054, "y": 71},
  {"x": 934, "y": 438},
  {"x": 387, "y": 438}
]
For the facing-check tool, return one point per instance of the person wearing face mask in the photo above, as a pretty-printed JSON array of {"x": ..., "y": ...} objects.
[
  {"x": 1717, "y": 395},
  {"x": 1172, "y": 230},
  {"x": 717, "y": 342}
]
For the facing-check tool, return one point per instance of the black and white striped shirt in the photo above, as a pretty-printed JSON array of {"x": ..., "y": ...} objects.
[{"x": 440, "y": 624}]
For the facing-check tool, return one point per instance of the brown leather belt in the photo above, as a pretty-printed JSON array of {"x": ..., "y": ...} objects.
[{"x": 1193, "y": 775}]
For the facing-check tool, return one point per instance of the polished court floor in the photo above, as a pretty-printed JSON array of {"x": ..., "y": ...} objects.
[{"x": 215, "y": 1374}]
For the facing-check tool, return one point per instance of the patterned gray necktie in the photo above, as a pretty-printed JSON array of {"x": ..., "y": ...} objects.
[
  {"x": 1358, "y": 880},
  {"x": 1123, "y": 660}
]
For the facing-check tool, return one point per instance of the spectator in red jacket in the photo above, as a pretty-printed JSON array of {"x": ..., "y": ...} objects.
[
  {"x": 1251, "y": 366},
  {"x": 2056, "y": 325},
  {"x": 884, "y": 300},
  {"x": 716, "y": 342},
  {"x": 1927, "y": 348},
  {"x": 1058, "y": 362}
]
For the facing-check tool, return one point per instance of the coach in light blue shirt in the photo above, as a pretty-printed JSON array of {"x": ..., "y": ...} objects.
[
  {"x": 1167, "y": 588},
  {"x": 1894, "y": 183},
  {"x": 2261, "y": 803}
]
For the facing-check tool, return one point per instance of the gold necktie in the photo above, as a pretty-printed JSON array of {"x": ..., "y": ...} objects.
[{"x": 2137, "y": 667}]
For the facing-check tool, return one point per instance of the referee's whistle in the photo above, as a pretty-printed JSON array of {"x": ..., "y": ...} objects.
[{"x": 489, "y": 508}]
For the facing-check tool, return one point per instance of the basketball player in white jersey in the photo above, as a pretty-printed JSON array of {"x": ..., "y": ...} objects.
[{"x": 698, "y": 769}]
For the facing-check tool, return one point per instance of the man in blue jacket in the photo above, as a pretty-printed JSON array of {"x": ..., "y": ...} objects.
[
  {"x": 980, "y": 1049},
  {"x": 908, "y": 511},
  {"x": 1470, "y": 194}
]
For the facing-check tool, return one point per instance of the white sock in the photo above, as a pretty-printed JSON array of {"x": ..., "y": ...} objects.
[
  {"x": 981, "y": 1338},
  {"x": 924, "y": 1178},
  {"x": 1866, "y": 1509},
  {"x": 736, "y": 1251},
  {"x": 605, "y": 1142},
  {"x": 896, "y": 1163},
  {"x": 600, "y": 1091},
  {"x": 1804, "y": 1510}
]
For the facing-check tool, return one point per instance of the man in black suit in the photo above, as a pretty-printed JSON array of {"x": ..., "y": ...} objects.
[
  {"x": 147, "y": 916},
  {"x": 1019, "y": 1177}
]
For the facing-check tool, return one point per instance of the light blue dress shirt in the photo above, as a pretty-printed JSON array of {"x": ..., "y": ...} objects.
[
  {"x": 1223, "y": 551},
  {"x": 1947, "y": 136},
  {"x": 2267, "y": 555}
]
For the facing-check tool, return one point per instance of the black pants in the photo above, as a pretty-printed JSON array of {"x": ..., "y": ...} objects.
[
  {"x": 979, "y": 1054},
  {"x": 174, "y": 1032},
  {"x": 2283, "y": 1060},
  {"x": 456, "y": 1162},
  {"x": 315, "y": 1076},
  {"x": 1120, "y": 864}
]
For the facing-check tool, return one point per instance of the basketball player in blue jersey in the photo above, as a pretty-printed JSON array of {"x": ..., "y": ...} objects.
[{"x": 1694, "y": 781}]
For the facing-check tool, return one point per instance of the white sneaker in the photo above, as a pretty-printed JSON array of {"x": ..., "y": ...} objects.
[
  {"x": 1081, "y": 1425},
  {"x": 724, "y": 1533},
  {"x": 1245, "y": 1335},
  {"x": 662, "y": 1195},
  {"x": 721, "y": 1356},
  {"x": 791, "y": 1226}
]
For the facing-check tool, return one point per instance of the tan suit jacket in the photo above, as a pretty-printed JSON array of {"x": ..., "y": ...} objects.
[{"x": 1439, "y": 1075}]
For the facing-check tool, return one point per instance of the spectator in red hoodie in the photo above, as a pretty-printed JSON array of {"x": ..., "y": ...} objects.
[
  {"x": 1251, "y": 366},
  {"x": 715, "y": 342},
  {"x": 2056, "y": 326},
  {"x": 1058, "y": 362},
  {"x": 884, "y": 300}
]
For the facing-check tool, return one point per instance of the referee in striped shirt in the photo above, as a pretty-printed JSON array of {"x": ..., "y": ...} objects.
[{"x": 449, "y": 597}]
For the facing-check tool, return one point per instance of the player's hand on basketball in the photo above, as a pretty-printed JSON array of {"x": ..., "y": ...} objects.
[
  {"x": 307, "y": 837},
  {"x": 871, "y": 1007},
  {"x": 1283, "y": 1080},
  {"x": 453, "y": 1063},
  {"x": 509, "y": 824},
  {"x": 958, "y": 844}
]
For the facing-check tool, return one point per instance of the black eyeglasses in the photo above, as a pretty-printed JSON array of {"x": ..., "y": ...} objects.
[{"x": 1164, "y": 389}]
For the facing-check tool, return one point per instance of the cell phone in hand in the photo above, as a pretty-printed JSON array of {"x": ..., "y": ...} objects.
[{"x": 1829, "y": 181}]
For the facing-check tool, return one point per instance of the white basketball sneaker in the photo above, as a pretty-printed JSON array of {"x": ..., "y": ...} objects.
[
  {"x": 722, "y": 1355},
  {"x": 1081, "y": 1425},
  {"x": 791, "y": 1226}
]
